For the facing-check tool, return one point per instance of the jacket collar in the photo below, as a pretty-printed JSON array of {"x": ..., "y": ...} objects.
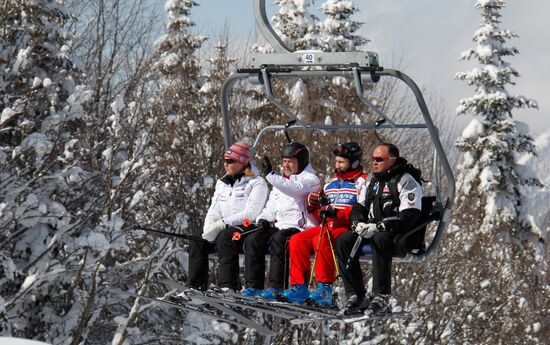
[
  {"x": 398, "y": 168},
  {"x": 349, "y": 175},
  {"x": 231, "y": 179}
]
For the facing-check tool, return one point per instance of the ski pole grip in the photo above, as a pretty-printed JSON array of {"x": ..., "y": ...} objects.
[{"x": 236, "y": 236}]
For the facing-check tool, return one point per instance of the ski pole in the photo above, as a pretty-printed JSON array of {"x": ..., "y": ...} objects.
[
  {"x": 332, "y": 251},
  {"x": 160, "y": 232},
  {"x": 354, "y": 250},
  {"x": 237, "y": 235},
  {"x": 240, "y": 232},
  {"x": 316, "y": 253}
]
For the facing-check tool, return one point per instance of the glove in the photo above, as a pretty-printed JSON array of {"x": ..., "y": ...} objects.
[
  {"x": 207, "y": 223},
  {"x": 266, "y": 166},
  {"x": 263, "y": 224},
  {"x": 312, "y": 202},
  {"x": 323, "y": 200},
  {"x": 211, "y": 233},
  {"x": 329, "y": 212},
  {"x": 366, "y": 230}
]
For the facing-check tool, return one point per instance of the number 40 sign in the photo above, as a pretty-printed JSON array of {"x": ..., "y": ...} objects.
[{"x": 308, "y": 58}]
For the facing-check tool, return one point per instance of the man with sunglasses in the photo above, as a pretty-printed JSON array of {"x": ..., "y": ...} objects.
[
  {"x": 335, "y": 202},
  {"x": 381, "y": 216}
]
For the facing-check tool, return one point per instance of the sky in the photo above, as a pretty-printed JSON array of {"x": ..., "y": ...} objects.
[{"x": 429, "y": 35}]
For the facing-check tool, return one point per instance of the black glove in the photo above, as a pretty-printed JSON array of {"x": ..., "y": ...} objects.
[
  {"x": 323, "y": 200},
  {"x": 266, "y": 166},
  {"x": 329, "y": 212},
  {"x": 263, "y": 224},
  {"x": 313, "y": 202}
]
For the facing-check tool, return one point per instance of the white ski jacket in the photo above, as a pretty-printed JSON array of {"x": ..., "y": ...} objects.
[
  {"x": 286, "y": 205},
  {"x": 232, "y": 204}
]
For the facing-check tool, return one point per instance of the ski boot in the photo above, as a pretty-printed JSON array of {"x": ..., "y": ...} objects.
[
  {"x": 272, "y": 293},
  {"x": 251, "y": 292},
  {"x": 297, "y": 294},
  {"x": 357, "y": 304},
  {"x": 322, "y": 295},
  {"x": 379, "y": 306}
]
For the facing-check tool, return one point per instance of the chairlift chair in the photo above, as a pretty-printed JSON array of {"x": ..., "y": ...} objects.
[{"x": 356, "y": 66}]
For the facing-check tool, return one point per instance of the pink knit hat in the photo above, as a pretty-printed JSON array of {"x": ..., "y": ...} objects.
[{"x": 238, "y": 151}]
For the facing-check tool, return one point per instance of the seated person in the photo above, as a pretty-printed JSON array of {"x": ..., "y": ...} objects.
[
  {"x": 239, "y": 194},
  {"x": 381, "y": 220},
  {"x": 284, "y": 215},
  {"x": 342, "y": 191}
]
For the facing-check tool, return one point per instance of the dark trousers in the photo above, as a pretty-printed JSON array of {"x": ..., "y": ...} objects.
[
  {"x": 255, "y": 247},
  {"x": 198, "y": 264},
  {"x": 279, "y": 261},
  {"x": 352, "y": 277},
  {"x": 382, "y": 252},
  {"x": 228, "y": 259}
]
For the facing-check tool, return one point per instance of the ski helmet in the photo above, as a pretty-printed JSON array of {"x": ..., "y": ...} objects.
[
  {"x": 350, "y": 151},
  {"x": 298, "y": 151}
]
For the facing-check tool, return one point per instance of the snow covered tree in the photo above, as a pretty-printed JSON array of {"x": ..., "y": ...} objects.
[
  {"x": 176, "y": 112},
  {"x": 500, "y": 256},
  {"x": 50, "y": 258},
  {"x": 492, "y": 142},
  {"x": 63, "y": 188},
  {"x": 295, "y": 25},
  {"x": 338, "y": 30}
]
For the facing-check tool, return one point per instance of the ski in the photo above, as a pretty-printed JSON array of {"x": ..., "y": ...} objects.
[
  {"x": 281, "y": 309},
  {"x": 237, "y": 301},
  {"x": 347, "y": 319},
  {"x": 216, "y": 303},
  {"x": 296, "y": 314},
  {"x": 240, "y": 320}
]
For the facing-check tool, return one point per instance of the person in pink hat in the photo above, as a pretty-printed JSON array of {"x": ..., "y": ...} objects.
[{"x": 239, "y": 194}]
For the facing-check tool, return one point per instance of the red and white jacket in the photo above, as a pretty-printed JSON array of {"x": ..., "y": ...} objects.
[{"x": 342, "y": 191}]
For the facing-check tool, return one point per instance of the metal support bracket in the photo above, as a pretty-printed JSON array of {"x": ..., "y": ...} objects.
[{"x": 316, "y": 58}]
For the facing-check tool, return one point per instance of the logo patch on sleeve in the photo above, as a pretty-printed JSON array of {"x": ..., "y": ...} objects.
[{"x": 411, "y": 196}]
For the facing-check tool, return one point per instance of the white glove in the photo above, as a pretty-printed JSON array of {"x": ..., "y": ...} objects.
[
  {"x": 207, "y": 223},
  {"x": 211, "y": 233},
  {"x": 366, "y": 230}
]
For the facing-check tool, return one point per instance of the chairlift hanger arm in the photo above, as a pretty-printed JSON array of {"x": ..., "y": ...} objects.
[
  {"x": 266, "y": 29},
  {"x": 365, "y": 99},
  {"x": 268, "y": 91}
]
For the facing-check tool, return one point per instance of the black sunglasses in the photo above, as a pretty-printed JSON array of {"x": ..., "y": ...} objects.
[
  {"x": 380, "y": 159},
  {"x": 229, "y": 161}
]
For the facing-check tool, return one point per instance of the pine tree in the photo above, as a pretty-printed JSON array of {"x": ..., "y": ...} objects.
[
  {"x": 295, "y": 25},
  {"x": 491, "y": 143},
  {"x": 49, "y": 257},
  {"x": 338, "y": 30},
  {"x": 503, "y": 280},
  {"x": 176, "y": 112}
]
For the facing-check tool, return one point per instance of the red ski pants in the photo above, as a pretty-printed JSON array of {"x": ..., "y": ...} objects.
[{"x": 302, "y": 245}]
